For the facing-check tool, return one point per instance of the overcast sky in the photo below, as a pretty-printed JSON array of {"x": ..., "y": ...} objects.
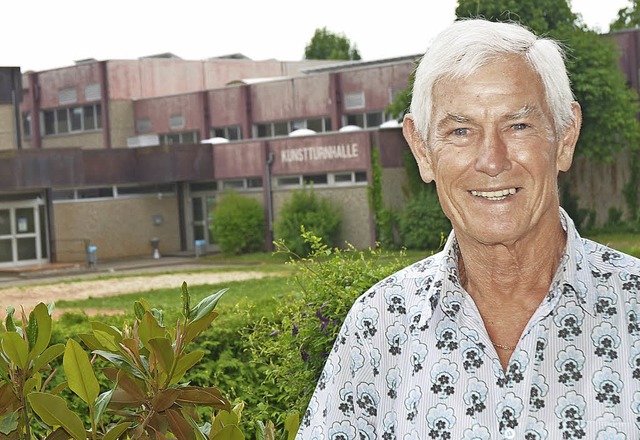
[{"x": 45, "y": 34}]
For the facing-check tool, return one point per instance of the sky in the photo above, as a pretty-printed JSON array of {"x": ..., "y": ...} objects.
[{"x": 46, "y": 34}]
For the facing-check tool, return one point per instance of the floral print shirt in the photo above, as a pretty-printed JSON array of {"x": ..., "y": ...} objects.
[{"x": 413, "y": 359}]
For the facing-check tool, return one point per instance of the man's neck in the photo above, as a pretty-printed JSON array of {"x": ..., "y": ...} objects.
[{"x": 519, "y": 272}]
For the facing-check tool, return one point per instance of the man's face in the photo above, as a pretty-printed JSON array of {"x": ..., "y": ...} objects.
[{"x": 494, "y": 154}]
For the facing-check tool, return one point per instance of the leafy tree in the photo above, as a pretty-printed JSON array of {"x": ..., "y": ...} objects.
[
  {"x": 608, "y": 104},
  {"x": 628, "y": 17},
  {"x": 327, "y": 45}
]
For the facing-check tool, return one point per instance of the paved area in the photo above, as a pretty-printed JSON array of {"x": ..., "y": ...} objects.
[{"x": 53, "y": 272}]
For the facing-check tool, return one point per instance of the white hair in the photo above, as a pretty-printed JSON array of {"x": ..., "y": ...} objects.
[{"x": 469, "y": 44}]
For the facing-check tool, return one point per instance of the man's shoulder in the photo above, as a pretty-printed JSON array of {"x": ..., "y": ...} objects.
[
  {"x": 606, "y": 259},
  {"x": 416, "y": 279}
]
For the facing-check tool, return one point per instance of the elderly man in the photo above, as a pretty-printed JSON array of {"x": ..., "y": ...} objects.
[{"x": 519, "y": 328}]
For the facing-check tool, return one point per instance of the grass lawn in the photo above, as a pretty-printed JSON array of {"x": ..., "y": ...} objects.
[{"x": 626, "y": 242}]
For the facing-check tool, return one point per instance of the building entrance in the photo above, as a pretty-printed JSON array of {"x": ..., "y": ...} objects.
[
  {"x": 201, "y": 218},
  {"x": 22, "y": 233}
]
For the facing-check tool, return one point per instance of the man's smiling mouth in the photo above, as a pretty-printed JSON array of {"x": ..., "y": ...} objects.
[{"x": 500, "y": 194}]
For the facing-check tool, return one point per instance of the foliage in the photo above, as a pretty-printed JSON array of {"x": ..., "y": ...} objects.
[
  {"x": 145, "y": 363},
  {"x": 630, "y": 190},
  {"x": 584, "y": 219},
  {"x": 422, "y": 223},
  {"x": 384, "y": 218},
  {"x": 306, "y": 209},
  {"x": 295, "y": 342},
  {"x": 238, "y": 225},
  {"x": 327, "y": 45},
  {"x": 628, "y": 17}
]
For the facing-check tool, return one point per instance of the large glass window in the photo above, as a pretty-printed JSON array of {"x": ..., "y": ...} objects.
[
  {"x": 72, "y": 119},
  {"x": 187, "y": 137}
]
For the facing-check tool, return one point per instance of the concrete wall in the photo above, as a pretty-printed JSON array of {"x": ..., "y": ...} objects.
[
  {"x": 7, "y": 128},
  {"x": 119, "y": 227},
  {"x": 122, "y": 122}
]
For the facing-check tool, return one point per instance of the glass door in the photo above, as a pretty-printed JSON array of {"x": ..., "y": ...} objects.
[
  {"x": 21, "y": 234},
  {"x": 201, "y": 207}
]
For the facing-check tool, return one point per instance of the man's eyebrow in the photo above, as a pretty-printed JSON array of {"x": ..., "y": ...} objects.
[
  {"x": 525, "y": 111},
  {"x": 452, "y": 117}
]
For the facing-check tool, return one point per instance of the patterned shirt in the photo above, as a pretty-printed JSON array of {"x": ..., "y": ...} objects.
[{"x": 413, "y": 359}]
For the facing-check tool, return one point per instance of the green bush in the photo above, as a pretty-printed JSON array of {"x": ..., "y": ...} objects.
[
  {"x": 238, "y": 224},
  {"x": 306, "y": 209},
  {"x": 294, "y": 343},
  {"x": 422, "y": 222}
]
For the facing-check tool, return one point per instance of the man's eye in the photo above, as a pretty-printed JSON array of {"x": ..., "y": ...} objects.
[
  {"x": 521, "y": 126},
  {"x": 461, "y": 131}
]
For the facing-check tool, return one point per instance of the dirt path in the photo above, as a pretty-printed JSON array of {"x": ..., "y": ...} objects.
[{"x": 29, "y": 296}]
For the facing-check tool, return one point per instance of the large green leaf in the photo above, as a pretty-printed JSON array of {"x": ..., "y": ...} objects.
[
  {"x": 148, "y": 328},
  {"x": 41, "y": 319},
  {"x": 230, "y": 432},
  {"x": 186, "y": 300},
  {"x": 184, "y": 363},
  {"x": 101, "y": 405},
  {"x": 9, "y": 422},
  {"x": 15, "y": 348},
  {"x": 115, "y": 432},
  {"x": 106, "y": 340},
  {"x": 80, "y": 376},
  {"x": 32, "y": 384},
  {"x": 47, "y": 356},
  {"x": 54, "y": 412},
  {"x": 205, "y": 306},
  {"x": 291, "y": 424},
  {"x": 163, "y": 351},
  {"x": 223, "y": 419},
  {"x": 121, "y": 362},
  {"x": 194, "y": 328}
]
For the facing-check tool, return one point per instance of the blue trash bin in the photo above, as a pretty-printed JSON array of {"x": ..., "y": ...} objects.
[{"x": 92, "y": 256}]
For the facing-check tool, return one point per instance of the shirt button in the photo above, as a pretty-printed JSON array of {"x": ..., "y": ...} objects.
[{"x": 509, "y": 433}]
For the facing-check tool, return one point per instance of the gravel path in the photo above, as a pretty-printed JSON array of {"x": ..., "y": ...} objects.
[{"x": 29, "y": 296}]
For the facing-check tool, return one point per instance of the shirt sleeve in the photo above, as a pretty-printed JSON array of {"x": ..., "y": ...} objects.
[{"x": 345, "y": 400}]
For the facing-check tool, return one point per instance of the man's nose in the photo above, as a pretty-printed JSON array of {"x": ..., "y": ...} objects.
[{"x": 493, "y": 155}]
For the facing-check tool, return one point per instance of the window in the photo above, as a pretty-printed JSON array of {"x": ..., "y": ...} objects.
[
  {"x": 92, "y": 92},
  {"x": 26, "y": 124},
  {"x": 72, "y": 119},
  {"x": 187, "y": 137},
  {"x": 254, "y": 182},
  {"x": 203, "y": 186},
  {"x": 354, "y": 100},
  {"x": 68, "y": 95},
  {"x": 166, "y": 188},
  {"x": 315, "y": 179},
  {"x": 143, "y": 125},
  {"x": 95, "y": 193},
  {"x": 366, "y": 120},
  {"x": 232, "y": 133},
  {"x": 283, "y": 128},
  {"x": 233, "y": 184},
  {"x": 176, "y": 122},
  {"x": 288, "y": 181}
]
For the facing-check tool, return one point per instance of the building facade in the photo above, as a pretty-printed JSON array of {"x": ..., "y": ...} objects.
[{"x": 118, "y": 154}]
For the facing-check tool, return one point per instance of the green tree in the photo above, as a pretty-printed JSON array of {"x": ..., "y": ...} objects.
[
  {"x": 327, "y": 45},
  {"x": 628, "y": 17},
  {"x": 608, "y": 104},
  {"x": 238, "y": 225}
]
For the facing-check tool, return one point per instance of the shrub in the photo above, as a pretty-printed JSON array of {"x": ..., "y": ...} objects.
[
  {"x": 422, "y": 222},
  {"x": 295, "y": 342},
  {"x": 238, "y": 225},
  {"x": 305, "y": 209}
]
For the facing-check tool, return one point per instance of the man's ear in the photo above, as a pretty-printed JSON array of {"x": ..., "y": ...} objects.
[
  {"x": 418, "y": 147},
  {"x": 567, "y": 145}
]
